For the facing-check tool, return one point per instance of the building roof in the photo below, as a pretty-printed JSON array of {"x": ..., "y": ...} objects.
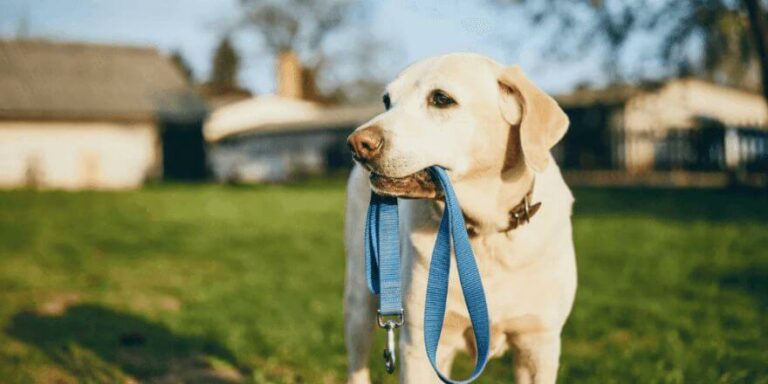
[
  {"x": 681, "y": 103},
  {"x": 270, "y": 113},
  {"x": 676, "y": 103},
  {"x": 53, "y": 80},
  {"x": 615, "y": 94},
  {"x": 587, "y": 97}
]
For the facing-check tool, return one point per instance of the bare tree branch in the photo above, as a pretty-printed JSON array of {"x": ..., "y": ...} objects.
[
  {"x": 708, "y": 37},
  {"x": 304, "y": 27}
]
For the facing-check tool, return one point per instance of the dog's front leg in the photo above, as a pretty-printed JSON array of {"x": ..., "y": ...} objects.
[
  {"x": 414, "y": 367},
  {"x": 360, "y": 320},
  {"x": 359, "y": 303},
  {"x": 537, "y": 357}
]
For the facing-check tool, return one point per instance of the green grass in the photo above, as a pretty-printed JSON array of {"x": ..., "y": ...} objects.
[{"x": 203, "y": 283}]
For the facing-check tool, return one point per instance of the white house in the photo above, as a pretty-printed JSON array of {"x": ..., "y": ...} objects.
[
  {"x": 276, "y": 137},
  {"x": 78, "y": 116},
  {"x": 685, "y": 124},
  {"x": 273, "y": 138}
]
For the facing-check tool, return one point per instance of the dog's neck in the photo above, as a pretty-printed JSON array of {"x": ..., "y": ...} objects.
[{"x": 488, "y": 201}]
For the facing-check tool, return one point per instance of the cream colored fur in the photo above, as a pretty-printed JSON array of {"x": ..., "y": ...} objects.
[{"x": 494, "y": 143}]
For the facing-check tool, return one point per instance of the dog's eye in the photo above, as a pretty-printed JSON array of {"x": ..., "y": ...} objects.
[
  {"x": 440, "y": 99},
  {"x": 387, "y": 102}
]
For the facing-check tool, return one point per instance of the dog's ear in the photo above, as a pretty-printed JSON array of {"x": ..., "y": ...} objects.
[{"x": 542, "y": 122}]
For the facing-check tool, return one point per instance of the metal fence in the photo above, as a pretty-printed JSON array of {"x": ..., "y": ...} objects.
[{"x": 709, "y": 146}]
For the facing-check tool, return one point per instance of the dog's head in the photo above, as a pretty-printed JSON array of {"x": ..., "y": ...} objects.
[{"x": 463, "y": 112}]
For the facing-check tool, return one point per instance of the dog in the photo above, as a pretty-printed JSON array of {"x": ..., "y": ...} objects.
[{"x": 492, "y": 129}]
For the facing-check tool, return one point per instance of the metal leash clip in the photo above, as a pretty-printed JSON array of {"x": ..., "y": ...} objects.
[{"x": 390, "y": 359}]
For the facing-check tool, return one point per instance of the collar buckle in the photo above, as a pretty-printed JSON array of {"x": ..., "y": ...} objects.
[{"x": 522, "y": 213}]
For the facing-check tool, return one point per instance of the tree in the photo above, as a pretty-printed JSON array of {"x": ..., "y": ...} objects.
[
  {"x": 181, "y": 64},
  {"x": 759, "y": 28},
  {"x": 719, "y": 39},
  {"x": 226, "y": 63},
  {"x": 304, "y": 27},
  {"x": 298, "y": 25}
]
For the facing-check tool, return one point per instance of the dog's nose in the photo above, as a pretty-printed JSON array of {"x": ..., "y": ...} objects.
[{"x": 366, "y": 144}]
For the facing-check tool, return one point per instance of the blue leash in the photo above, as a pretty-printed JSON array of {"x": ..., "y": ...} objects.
[{"x": 382, "y": 266}]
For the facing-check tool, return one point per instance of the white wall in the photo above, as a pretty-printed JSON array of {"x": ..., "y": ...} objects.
[
  {"x": 77, "y": 155},
  {"x": 676, "y": 105}
]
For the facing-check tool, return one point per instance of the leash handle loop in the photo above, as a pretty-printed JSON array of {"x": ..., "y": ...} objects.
[{"x": 452, "y": 225}]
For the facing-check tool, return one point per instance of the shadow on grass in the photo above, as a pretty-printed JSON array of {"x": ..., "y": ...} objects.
[
  {"x": 673, "y": 204},
  {"x": 90, "y": 341},
  {"x": 752, "y": 280}
]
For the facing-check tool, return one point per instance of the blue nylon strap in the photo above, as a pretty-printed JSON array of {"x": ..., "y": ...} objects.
[
  {"x": 382, "y": 261},
  {"x": 382, "y": 264},
  {"x": 452, "y": 224}
]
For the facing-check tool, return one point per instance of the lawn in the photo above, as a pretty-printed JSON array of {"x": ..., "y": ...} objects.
[{"x": 202, "y": 283}]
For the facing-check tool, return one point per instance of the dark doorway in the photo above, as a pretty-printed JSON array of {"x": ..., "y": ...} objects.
[
  {"x": 183, "y": 151},
  {"x": 337, "y": 155},
  {"x": 587, "y": 145}
]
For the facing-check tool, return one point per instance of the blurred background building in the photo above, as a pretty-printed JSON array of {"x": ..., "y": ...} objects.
[
  {"x": 279, "y": 137},
  {"x": 702, "y": 131},
  {"x": 75, "y": 115}
]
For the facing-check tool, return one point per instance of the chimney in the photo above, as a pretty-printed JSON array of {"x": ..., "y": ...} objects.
[{"x": 289, "y": 71}]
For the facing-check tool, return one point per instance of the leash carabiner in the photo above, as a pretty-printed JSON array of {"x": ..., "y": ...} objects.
[
  {"x": 390, "y": 357},
  {"x": 382, "y": 268}
]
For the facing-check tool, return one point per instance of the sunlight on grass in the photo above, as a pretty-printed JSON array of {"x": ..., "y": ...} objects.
[{"x": 222, "y": 284}]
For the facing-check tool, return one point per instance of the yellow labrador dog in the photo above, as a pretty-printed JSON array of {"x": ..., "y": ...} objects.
[{"x": 492, "y": 129}]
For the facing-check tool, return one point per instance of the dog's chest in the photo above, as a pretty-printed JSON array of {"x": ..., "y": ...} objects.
[{"x": 513, "y": 268}]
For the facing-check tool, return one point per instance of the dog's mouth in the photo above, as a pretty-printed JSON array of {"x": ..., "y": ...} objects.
[{"x": 418, "y": 185}]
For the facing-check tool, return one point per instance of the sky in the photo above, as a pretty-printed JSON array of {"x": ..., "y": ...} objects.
[{"x": 416, "y": 29}]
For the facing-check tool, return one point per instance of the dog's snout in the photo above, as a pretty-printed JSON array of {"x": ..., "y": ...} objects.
[{"x": 367, "y": 143}]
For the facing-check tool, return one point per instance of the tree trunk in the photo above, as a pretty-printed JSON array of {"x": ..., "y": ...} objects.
[{"x": 759, "y": 27}]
